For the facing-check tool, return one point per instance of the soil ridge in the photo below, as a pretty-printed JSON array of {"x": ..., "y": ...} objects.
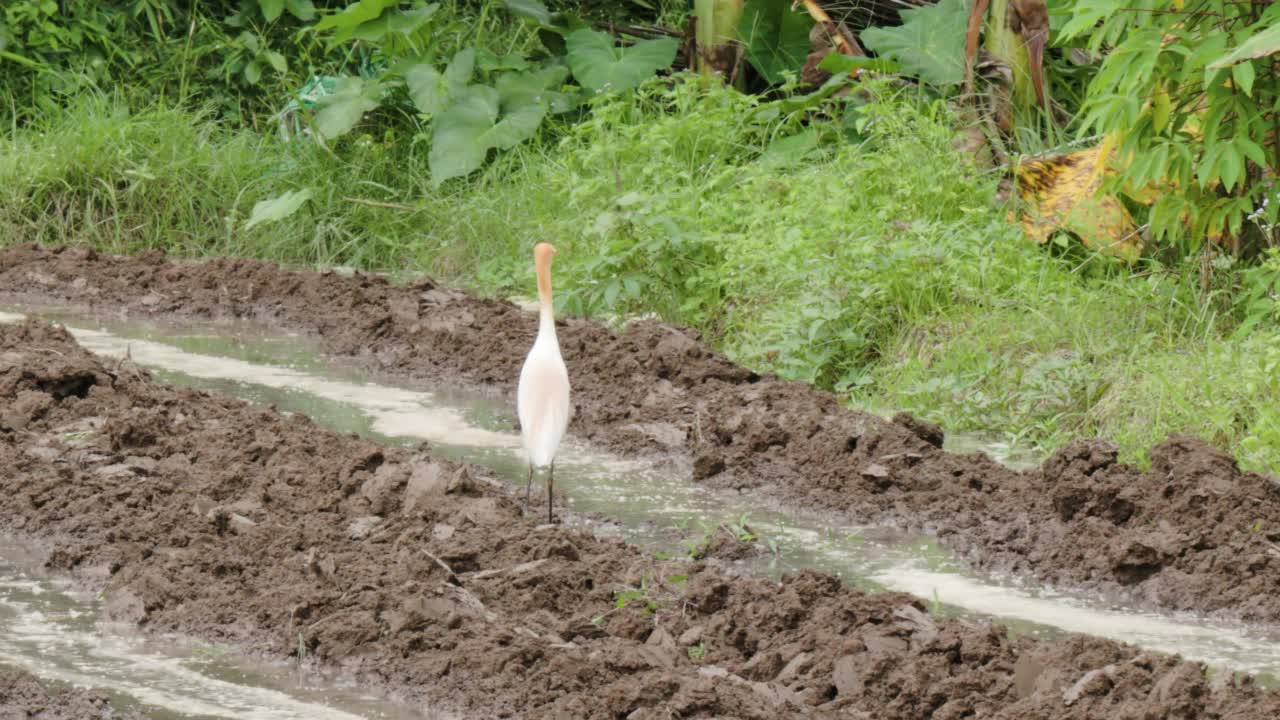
[
  {"x": 1194, "y": 533},
  {"x": 204, "y": 515}
]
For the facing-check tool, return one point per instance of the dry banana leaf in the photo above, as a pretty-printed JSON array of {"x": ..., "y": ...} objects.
[{"x": 1061, "y": 193}]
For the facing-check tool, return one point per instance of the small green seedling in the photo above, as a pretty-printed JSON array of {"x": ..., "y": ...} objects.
[
  {"x": 740, "y": 530},
  {"x": 693, "y": 548},
  {"x": 624, "y": 598},
  {"x": 698, "y": 652}
]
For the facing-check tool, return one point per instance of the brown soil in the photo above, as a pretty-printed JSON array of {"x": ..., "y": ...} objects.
[
  {"x": 1194, "y": 533},
  {"x": 22, "y": 697},
  {"x": 725, "y": 544},
  {"x": 204, "y": 515}
]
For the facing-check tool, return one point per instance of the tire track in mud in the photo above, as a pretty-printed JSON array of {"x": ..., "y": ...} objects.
[
  {"x": 1194, "y": 533},
  {"x": 205, "y": 515}
]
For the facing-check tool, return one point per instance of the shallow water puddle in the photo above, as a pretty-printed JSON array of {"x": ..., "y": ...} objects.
[
  {"x": 52, "y": 630},
  {"x": 649, "y": 500}
]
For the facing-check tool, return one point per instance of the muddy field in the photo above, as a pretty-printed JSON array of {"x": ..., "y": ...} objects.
[
  {"x": 1194, "y": 533},
  {"x": 205, "y": 515},
  {"x": 22, "y": 696}
]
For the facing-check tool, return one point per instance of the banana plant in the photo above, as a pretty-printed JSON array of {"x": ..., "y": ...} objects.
[
  {"x": 1017, "y": 32},
  {"x": 716, "y": 34}
]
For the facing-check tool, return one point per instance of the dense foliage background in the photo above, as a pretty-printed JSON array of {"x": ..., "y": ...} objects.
[{"x": 1068, "y": 231}]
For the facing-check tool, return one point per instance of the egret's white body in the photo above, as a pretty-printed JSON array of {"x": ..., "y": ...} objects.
[{"x": 542, "y": 398}]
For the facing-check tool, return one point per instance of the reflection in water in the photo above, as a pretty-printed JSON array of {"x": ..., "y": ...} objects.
[{"x": 649, "y": 498}]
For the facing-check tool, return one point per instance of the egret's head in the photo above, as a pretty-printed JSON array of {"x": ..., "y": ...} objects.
[{"x": 542, "y": 253}]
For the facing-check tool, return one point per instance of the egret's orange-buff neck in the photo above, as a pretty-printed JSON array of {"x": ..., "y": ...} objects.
[{"x": 542, "y": 253}]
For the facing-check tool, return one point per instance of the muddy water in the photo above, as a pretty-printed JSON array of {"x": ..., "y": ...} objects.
[
  {"x": 53, "y": 630},
  {"x": 650, "y": 501}
]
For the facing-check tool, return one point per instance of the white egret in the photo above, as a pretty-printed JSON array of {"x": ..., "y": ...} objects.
[{"x": 542, "y": 399}]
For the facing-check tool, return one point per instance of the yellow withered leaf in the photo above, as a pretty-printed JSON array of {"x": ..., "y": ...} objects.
[{"x": 1061, "y": 193}]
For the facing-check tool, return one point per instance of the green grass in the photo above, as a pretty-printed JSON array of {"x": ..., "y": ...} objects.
[
  {"x": 197, "y": 53},
  {"x": 1094, "y": 364},
  {"x": 164, "y": 178},
  {"x": 858, "y": 253}
]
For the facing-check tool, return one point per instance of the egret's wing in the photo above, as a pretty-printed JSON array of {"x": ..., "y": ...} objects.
[
  {"x": 543, "y": 407},
  {"x": 524, "y": 400}
]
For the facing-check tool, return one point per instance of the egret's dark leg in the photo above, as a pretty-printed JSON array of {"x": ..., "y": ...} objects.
[
  {"x": 551, "y": 483},
  {"x": 528, "y": 488}
]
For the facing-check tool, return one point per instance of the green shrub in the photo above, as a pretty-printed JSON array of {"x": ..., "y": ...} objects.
[
  {"x": 803, "y": 262},
  {"x": 850, "y": 247},
  {"x": 1188, "y": 91},
  {"x": 227, "y": 54}
]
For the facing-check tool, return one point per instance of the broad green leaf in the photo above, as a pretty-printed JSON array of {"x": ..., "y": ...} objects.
[
  {"x": 336, "y": 114},
  {"x": 277, "y": 208},
  {"x": 249, "y": 40},
  {"x": 1232, "y": 164},
  {"x": 552, "y": 36},
  {"x": 409, "y": 21},
  {"x": 404, "y": 22},
  {"x": 371, "y": 32},
  {"x": 471, "y": 126},
  {"x": 530, "y": 10},
  {"x": 772, "y": 110},
  {"x": 790, "y": 150},
  {"x": 276, "y": 60},
  {"x": 432, "y": 90},
  {"x": 1243, "y": 75},
  {"x": 354, "y": 15},
  {"x": 304, "y": 10},
  {"x": 1204, "y": 51},
  {"x": 599, "y": 64},
  {"x": 427, "y": 88},
  {"x": 460, "y": 70},
  {"x": 1208, "y": 162},
  {"x": 271, "y": 9},
  {"x": 1252, "y": 150},
  {"x": 929, "y": 43},
  {"x": 775, "y": 36},
  {"x": 518, "y": 90},
  {"x": 487, "y": 61},
  {"x": 1261, "y": 44},
  {"x": 252, "y": 72}
]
